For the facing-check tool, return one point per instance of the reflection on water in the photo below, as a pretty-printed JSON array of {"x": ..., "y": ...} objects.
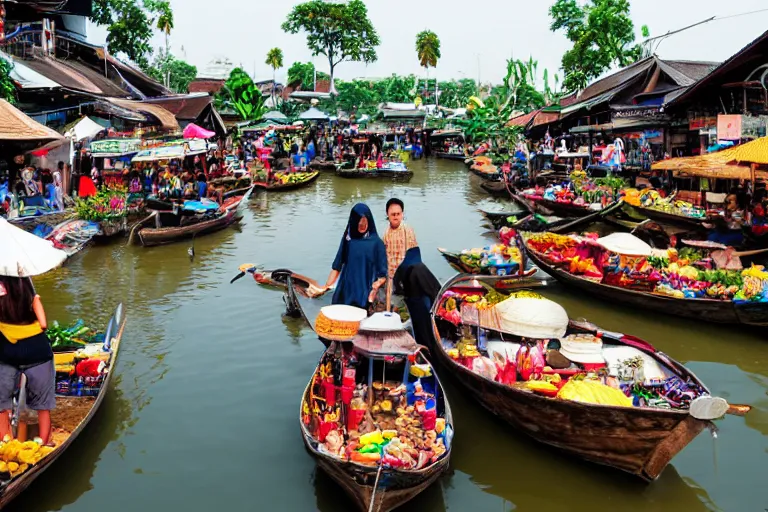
[{"x": 210, "y": 376}]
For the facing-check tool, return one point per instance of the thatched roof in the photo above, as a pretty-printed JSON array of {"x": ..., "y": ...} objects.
[{"x": 15, "y": 125}]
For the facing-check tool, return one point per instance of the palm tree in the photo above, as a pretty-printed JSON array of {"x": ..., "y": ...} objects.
[
  {"x": 275, "y": 60},
  {"x": 427, "y": 49},
  {"x": 165, "y": 25}
]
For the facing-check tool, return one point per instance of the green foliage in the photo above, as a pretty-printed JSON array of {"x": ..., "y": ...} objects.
[
  {"x": 7, "y": 89},
  {"x": 167, "y": 65},
  {"x": 275, "y": 58},
  {"x": 602, "y": 34},
  {"x": 305, "y": 73},
  {"x": 129, "y": 25},
  {"x": 365, "y": 96},
  {"x": 340, "y": 31},
  {"x": 291, "y": 109},
  {"x": 456, "y": 94},
  {"x": 240, "y": 94},
  {"x": 428, "y": 48}
]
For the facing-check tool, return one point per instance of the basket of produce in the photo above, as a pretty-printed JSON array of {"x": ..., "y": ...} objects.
[{"x": 339, "y": 322}]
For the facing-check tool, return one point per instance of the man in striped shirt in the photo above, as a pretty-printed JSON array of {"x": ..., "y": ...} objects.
[{"x": 399, "y": 237}]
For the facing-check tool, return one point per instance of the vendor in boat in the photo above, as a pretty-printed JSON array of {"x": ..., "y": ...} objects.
[
  {"x": 24, "y": 347},
  {"x": 360, "y": 267},
  {"x": 414, "y": 281},
  {"x": 399, "y": 237},
  {"x": 735, "y": 217}
]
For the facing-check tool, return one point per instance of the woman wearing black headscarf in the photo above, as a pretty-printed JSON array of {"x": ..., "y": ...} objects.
[
  {"x": 414, "y": 281},
  {"x": 361, "y": 261}
]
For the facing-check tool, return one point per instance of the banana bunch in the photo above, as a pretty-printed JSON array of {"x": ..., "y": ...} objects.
[
  {"x": 17, "y": 457},
  {"x": 757, "y": 271}
]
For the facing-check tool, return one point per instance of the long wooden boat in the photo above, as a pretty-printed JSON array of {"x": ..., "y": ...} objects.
[
  {"x": 638, "y": 440},
  {"x": 709, "y": 310},
  {"x": 495, "y": 188},
  {"x": 285, "y": 187},
  {"x": 487, "y": 176},
  {"x": 10, "y": 489},
  {"x": 375, "y": 486},
  {"x": 322, "y": 165},
  {"x": 562, "y": 209},
  {"x": 375, "y": 173},
  {"x": 639, "y": 212},
  {"x": 450, "y": 156}
]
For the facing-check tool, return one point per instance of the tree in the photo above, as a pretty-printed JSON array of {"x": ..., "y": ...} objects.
[
  {"x": 129, "y": 25},
  {"x": 242, "y": 95},
  {"x": 340, "y": 31},
  {"x": 305, "y": 74},
  {"x": 602, "y": 34},
  {"x": 275, "y": 61},
  {"x": 428, "y": 49},
  {"x": 165, "y": 25},
  {"x": 7, "y": 88},
  {"x": 178, "y": 73}
]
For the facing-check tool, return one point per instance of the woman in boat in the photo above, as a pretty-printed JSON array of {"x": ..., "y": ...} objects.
[
  {"x": 414, "y": 281},
  {"x": 360, "y": 267},
  {"x": 24, "y": 347},
  {"x": 734, "y": 216}
]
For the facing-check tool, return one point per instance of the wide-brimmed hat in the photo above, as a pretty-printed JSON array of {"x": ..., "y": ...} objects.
[{"x": 583, "y": 349}]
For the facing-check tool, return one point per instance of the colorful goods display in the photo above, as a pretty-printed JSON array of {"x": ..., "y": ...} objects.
[
  {"x": 593, "y": 194},
  {"x": 651, "y": 199},
  {"x": 576, "y": 365},
  {"x": 498, "y": 259},
  {"x": 687, "y": 274},
  {"x": 285, "y": 178},
  {"x": 107, "y": 205},
  {"x": 80, "y": 358}
]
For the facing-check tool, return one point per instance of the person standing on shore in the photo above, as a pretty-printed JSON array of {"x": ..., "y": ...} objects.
[{"x": 399, "y": 237}]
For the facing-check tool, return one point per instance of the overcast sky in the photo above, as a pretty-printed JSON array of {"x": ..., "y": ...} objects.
[{"x": 477, "y": 38}]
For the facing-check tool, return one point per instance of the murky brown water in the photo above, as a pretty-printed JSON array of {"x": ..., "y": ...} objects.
[{"x": 204, "y": 414}]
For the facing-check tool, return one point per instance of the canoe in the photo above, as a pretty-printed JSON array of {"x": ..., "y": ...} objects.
[
  {"x": 638, "y": 440},
  {"x": 561, "y": 209},
  {"x": 450, "y": 156},
  {"x": 664, "y": 217},
  {"x": 709, "y": 310},
  {"x": 495, "y": 188},
  {"x": 284, "y": 187},
  {"x": 277, "y": 278},
  {"x": 530, "y": 278},
  {"x": 488, "y": 176},
  {"x": 88, "y": 406},
  {"x": 375, "y": 173},
  {"x": 374, "y": 486}
]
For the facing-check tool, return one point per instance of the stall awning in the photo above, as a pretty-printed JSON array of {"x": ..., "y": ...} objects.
[
  {"x": 167, "y": 119},
  {"x": 731, "y": 163},
  {"x": 26, "y": 77},
  {"x": 15, "y": 125}
]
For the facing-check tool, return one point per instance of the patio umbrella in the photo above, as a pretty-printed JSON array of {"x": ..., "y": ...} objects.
[
  {"x": 313, "y": 114},
  {"x": 192, "y": 131},
  {"x": 25, "y": 254}
]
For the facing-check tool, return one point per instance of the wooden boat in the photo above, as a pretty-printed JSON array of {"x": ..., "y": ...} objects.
[
  {"x": 277, "y": 278},
  {"x": 495, "y": 188},
  {"x": 306, "y": 179},
  {"x": 530, "y": 278},
  {"x": 639, "y": 440},
  {"x": 88, "y": 406},
  {"x": 393, "y": 174},
  {"x": 372, "y": 485},
  {"x": 639, "y": 213},
  {"x": 169, "y": 227},
  {"x": 322, "y": 165},
  {"x": 709, "y": 310},
  {"x": 487, "y": 176},
  {"x": 450, "y": 156}
]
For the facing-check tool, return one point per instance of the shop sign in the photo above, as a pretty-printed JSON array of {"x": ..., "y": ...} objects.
[
  {"x": 652, "y": 134},
  {"x": 639, "y": 113},
  {"x": 729, "y": 127},
  {"x": 700, "y": 123},
  {"x": 115, "y": 146}
]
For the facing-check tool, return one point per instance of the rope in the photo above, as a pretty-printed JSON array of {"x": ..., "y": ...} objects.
[{"x": 375, "y": 486}]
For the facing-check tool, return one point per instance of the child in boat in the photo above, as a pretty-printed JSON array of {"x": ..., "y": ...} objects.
[
  {"x": 24, "y": 347},
  {"x": 360, "y": 266}
]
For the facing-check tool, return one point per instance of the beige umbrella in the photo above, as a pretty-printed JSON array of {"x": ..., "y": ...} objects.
[{"x": 24, "y": 254}]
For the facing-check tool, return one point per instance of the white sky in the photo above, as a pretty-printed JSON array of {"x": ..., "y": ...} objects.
[{"x": 476, "y": 38}]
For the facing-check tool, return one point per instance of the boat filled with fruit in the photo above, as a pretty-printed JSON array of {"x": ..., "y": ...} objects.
[
  {"x": 569, "y": 384},
  {"x": 282, "y": 181},
  {"x": 650, "y": 204},
  {"x": 705, "y": 282},
  {"x": 374, "y": 414},
  {"x": 497, "y": 260},
  {"x": 578, "y": 197},
  {"x": 84, "y": 360}
]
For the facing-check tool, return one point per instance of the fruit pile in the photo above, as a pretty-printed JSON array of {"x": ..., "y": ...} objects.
[
  {"x": 285, "y": 178},
  {"x": 17, "y": 457}
]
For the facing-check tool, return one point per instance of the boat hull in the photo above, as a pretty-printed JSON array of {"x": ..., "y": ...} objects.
[
  {"x": 663, "y": 217},
  {"x": 288, "y": 186},
  {"x": 17, "y": 486},
  {"x": 449, "y": 156},
  {"x": 640, "y": 442},
  {"x": 375, "y": 173},
  {"x": 149, "y": 237},
  {"x": 708, "y": 310}
]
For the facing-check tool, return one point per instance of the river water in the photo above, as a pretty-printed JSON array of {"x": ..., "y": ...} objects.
[{"x": 204, "y": 412}]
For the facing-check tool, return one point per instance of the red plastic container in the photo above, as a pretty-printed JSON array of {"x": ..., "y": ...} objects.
[
  {"x": 354, "y": 417},
  {"x": 329, "y": 391},
  {"x": 325, "y": 427},
  {"x": 346, "y": 394}
]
